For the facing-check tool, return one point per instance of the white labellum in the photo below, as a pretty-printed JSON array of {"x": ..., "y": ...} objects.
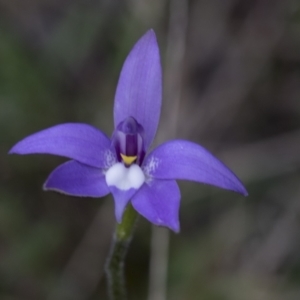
[{"x": 125, "y": 178}]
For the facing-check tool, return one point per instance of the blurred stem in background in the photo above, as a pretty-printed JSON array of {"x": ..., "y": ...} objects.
[
  {"x": 175, "y": 51},
  {"x": 115, "y": 263}
]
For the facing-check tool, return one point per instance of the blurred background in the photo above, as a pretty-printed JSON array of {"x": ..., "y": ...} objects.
[{"x": 231, "y": 83}]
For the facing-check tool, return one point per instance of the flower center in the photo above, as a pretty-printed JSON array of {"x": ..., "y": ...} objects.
[{"x": 128, "y": 142}]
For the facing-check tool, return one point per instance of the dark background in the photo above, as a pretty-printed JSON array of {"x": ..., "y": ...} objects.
[{"x": 231, "y": 83}]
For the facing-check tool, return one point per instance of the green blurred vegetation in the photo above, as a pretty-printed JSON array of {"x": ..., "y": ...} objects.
[{"x": 59, "y": 62}]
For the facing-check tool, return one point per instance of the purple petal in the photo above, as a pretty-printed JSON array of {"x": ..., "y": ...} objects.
[
  {"x": 180, "y": 159},
  {"x": 139, "y": 89},
  {"x": 80, "y": 142},
  {"x": 121, "y": 198},
  {"x": 158, "y": 201},
  {"x": 76, "y": 179}
]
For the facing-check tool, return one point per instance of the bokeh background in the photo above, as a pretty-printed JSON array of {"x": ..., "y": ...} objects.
[{"x": 231, "y": 83}]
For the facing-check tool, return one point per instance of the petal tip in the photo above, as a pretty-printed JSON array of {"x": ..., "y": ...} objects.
[
  {"x": 173, "y": 225},
  {"x": 147, "y": 44},
  {"x": 241, "y": 190},
  {"x": 175, "y": 228},
  {"x": 150, "y": 33},
  {"x": 45, "y": 187},
  {"x": 149, "y": 40},
  {"x": 60, "y": 191},
  {"x": 118, "y": 215},
  {"x": 21, "y": 147},
  {"x": 245, "y": 193},
  {"x": 14, "y": 150}
]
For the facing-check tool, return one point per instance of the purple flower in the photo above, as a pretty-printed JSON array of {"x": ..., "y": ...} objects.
[{"x": 122, "y": 165}]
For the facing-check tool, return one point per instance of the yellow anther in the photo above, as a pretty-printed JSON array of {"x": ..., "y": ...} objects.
[{"x": 128, "y": 160}]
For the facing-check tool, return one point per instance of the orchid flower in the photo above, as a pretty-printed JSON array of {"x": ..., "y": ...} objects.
[{"x": 123, "y": 165}]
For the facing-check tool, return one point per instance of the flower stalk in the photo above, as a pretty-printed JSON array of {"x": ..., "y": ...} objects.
[{"x": 116, "y": 260}]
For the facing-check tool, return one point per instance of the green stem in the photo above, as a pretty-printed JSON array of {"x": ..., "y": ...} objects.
[{"x": 115, "y": 262}]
